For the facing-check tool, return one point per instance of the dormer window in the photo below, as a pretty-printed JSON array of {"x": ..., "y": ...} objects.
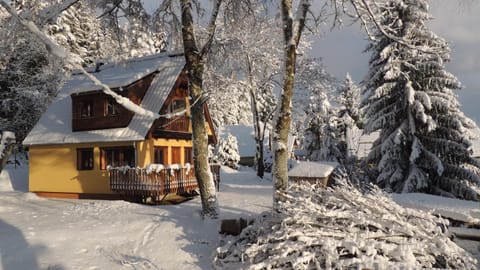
[
  {"x": 110, "y": 107},
  {"x": 86, "y": 109}
]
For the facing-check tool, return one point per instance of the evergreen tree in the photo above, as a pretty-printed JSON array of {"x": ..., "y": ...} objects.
[
  {"x": 349, "y": 99},
  {"x": 321, "y": 135},
  {"x": 311, "y": 75},
  {"x": 78, "y": 29},
  {"x": 226, "y": 152},
  {"x": 423, "y": 144},
  {"x": 349, "y": 119}
]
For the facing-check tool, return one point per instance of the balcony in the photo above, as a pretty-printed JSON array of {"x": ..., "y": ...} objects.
[{"x": 140, "y": 184}]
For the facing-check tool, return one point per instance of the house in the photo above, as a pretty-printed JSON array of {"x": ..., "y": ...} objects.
[{"x": 85, "y": 132}]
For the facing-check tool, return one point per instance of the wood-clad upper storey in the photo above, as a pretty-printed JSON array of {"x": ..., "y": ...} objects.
[
  {"x": 175, "y": 122},
  {"x": 96, "y": 110}
]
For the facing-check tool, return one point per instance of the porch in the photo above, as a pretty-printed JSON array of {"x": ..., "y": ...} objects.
[{"x": 154, "y": 183}]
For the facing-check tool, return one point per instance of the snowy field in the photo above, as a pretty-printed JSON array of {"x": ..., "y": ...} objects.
[{"x": 38, "y": 233}]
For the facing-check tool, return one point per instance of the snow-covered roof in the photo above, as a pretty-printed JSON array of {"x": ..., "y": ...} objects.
[
  {"x": 55, "y": 125},
  {"x": 312, "y": 169}
]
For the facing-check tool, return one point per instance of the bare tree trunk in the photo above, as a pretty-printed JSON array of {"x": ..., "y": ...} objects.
[
  {"x": 195, "y": 65},
  {"x": 258, "y": 136},
  {"x": 283, "y": 115}
]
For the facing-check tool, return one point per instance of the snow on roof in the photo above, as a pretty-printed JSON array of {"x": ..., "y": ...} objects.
[
  {"x": 55, "y": 125},
  {"x": 312, "y": 169}
]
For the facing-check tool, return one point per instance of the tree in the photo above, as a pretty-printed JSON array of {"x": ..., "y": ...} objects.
[
  {"x": 321, "y": 138},
  {"x": 311, "y": 78},
  {"x": 132, "y": 29},
  {"x": 291, "y": 33},
  {"x": 226, "y": 151},
  {"x": 195, "y": 63},
  {"x": 246, "y": 58},
  {"x": 29, "y": 78},
  {"x": 349, "y": 119},
  {"x": 349, "y": 99},
  {"x": 424, "y": 144}
]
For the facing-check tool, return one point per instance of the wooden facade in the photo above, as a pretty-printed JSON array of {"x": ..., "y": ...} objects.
[{"x": 97, "y": 110}]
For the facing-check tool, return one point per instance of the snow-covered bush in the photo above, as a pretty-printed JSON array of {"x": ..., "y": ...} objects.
[
  {"x": 226, "y": 152},
  {"x": 343, "y": 228}
]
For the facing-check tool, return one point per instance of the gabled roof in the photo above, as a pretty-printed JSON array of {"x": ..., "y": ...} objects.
[{"x": 55, "y": 125}]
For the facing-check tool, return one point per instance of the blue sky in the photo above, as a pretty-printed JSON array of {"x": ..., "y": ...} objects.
[{"x": 455, "y": 20}]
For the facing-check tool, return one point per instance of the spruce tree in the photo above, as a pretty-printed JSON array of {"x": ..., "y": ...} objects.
[
  {"x": 423, "y": 144},
  {"x": 349, "y": 119}
]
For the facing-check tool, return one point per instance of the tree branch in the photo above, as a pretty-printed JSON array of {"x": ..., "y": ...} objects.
[
  {"x": 50, "y": 13},
  {"x": 211, "y": 27}
]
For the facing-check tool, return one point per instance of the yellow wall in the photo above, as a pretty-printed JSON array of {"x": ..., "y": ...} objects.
[
  {"x": 145, "y": 149},
  {"x": 53, "y": 168}
]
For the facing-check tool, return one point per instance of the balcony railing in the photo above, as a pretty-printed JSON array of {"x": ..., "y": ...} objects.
[
  {"x": 176, "y": 123},
  {"x": 154, "y": 182}
]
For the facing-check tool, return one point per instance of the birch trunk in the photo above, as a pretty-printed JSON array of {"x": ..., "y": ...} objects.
[
  {"x": 283, "y": 115},
  {"x": 195, "y": 65}
]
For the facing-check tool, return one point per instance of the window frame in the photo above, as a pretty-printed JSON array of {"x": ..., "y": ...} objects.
[
  {"x": 86, "y": 106},
  {"x": 176, "y": 154},
  {"x": 81, "y": 159},
  {"x": 188, "y": 155},
  {"x": 164, "y": 151},
  {"x": 173, "y": 109},
  {"x": 119, "y": 153},
  {"x": 110, "y": 104}
]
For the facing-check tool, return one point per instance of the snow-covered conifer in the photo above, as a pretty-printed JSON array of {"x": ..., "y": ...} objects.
[
  {"x": 226, "y": 151},
  {"x": 78, "y": 29},
  {"x": 311, "y": 74},
  {"x": 321, "y": 138},
  {"x": 349, "y": 99},
  {"x": 349, "y": 119},
  {"x": 132, "y": 28},
  {"x": 423, "y": 144}
]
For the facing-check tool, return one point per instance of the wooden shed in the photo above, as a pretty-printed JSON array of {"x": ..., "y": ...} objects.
[{"x": 312, "y": 172}]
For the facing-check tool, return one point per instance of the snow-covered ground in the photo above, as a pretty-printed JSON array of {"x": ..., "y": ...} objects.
[{"x": 39, "y": 233}]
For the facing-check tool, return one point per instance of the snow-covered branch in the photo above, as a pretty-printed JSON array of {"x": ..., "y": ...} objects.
[{"x": 343, "y": 228}]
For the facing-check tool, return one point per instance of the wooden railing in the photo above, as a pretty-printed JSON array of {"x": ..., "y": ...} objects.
[
  {"x": 138, "y": 184},
  {"x": 176, "y": 123}
]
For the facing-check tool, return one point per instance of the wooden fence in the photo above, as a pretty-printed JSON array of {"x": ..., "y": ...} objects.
[{"x": 138, "y": 185}]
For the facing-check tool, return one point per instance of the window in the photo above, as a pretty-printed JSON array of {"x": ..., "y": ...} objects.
[
  {"x": 86, "y": 109},
  {"x": 160, "y": 155},
  {"x": 85, "y": 159},
  {"x": 188, "y": 155},
  {"x": 178, "y": 105},
  {"x": 116, "y": 157},
  {"x": 110, "y": 107},
  {"x": 176, "y": 159}
]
